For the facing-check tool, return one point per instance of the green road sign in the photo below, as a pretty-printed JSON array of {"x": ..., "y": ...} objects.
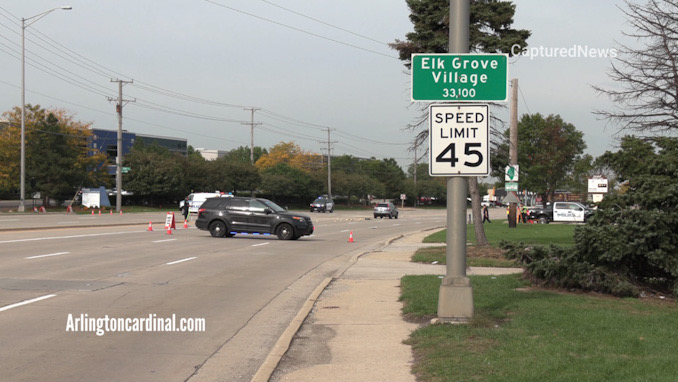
[
  {"x": 460, "y": 77},
  {"x": 511, "y": 173},
  {"x": 126, "y": 170}
]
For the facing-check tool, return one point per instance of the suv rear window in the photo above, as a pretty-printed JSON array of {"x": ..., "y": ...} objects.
[{"x": 382, "y": 205}]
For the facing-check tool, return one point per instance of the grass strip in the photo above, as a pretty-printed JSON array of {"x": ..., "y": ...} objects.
[{"x": 525, "y": 334}]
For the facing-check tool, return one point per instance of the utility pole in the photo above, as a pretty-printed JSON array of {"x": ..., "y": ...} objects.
[
  {"x": 414, "y": 174},
  {"x": 513, "y": 143},
  {"x": 252, "y": 124},
  {"x": 455, "y": 301},
  {"x": 329, "y": 162},
  {"x": 118, "y": 159}
]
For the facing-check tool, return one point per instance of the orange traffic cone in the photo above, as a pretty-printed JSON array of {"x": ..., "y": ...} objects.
[
  {"x": 150, "y": 226},
  {"x": 169, "y": 231},
  {"x": 185, "y": 223},
  {"x": 99, "y": 212},
  {"x": 110, "y": 212},
  {"x": 350, "y": 237},
  {"x": 121, "y": 211},
  {"x": 92, "y": 211}
]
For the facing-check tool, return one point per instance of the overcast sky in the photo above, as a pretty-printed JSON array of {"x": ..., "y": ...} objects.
[{"x": 306, "y": 64}]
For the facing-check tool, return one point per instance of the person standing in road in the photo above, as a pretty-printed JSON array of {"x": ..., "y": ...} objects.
[
  {"x": 486, "y": 215},
  {"x": 523, "y": 213},
  {"x": 185, "y": 207}
]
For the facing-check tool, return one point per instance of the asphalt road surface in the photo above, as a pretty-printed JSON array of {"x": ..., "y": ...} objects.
[{"x": 245, "y": 289}]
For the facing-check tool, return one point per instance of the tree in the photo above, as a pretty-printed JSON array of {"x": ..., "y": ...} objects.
[
  {"x": 291, "y": 154},
  {"x": 490, "y": 31},
  {"x": 242, "y": 154},
  {"x": 577, "y": 180},
  {"x": 156, "y": 174},
  {"x": 647, "y": 75},
  {"x": 548, "y": 150},
  {"x": 631, "y": 158},
  {"x": 58, "y": 161},
  {"x": 490, "y": 28},
  {"x": 235, "y": 176},
  {"x": 388, "y": 173},
  {"x": 286, "y": 183}
]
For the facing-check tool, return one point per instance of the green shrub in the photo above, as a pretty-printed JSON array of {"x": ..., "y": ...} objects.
[{"x": 631, "y": 243}]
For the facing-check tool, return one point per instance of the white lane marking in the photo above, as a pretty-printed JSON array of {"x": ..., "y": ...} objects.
[
  {"x": 345, "y": 230},
  {"x": 160, "y": 241},
  {"x": 9, "y": 220},
  {"x": 8, "y": 307},
  {"x": 67, "y": 222},
  {"x": 67, "y": 237},
  {"x": 48, "y": 255},
  {"x": 257, "y": 245},
  {"x": 181, "y": 261}
]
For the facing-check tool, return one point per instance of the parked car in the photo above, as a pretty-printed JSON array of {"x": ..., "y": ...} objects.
[
  {"x": 571, "y": 212},
  {"x": 196, "y": 199},
  {"x": 322, "y": 203},
  {"x": 256, "y": 216},
  {"x": 382, "y": 210}
]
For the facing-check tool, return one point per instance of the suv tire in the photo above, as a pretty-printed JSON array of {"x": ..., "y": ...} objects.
[
  {"x": 218, "y": 229},
  {"x": 284, "y": 232}
]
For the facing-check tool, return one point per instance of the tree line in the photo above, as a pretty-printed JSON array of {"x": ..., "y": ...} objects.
[{"x": 59, "y": 162}]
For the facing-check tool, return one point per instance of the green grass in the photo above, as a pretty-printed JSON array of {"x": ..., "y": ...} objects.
[
  {"x": 544, "y": 234},
  {"x": 537, "y": 335},
  {"x": 560, "y": 234}
]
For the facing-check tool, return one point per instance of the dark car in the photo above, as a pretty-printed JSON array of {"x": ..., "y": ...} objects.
[
  {"x": 322, "y": 203},
  {"x": 254, "y": 216},
  {"x": 388, "y": 209}
]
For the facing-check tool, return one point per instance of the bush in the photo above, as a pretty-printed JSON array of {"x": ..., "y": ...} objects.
[
  {"x": 564, "y": 267},
  {"x": 631, "y": 242}
]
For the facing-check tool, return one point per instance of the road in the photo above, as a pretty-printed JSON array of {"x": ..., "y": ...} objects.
[{"x": 245, "y": 289}]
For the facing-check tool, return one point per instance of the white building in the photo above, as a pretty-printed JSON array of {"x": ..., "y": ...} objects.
[{"x": 212, "y": 154}]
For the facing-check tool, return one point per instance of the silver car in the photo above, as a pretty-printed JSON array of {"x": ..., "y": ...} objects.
[{"x": 382, "y": 210}]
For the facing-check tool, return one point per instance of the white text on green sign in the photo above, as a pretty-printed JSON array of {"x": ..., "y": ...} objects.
[{"x": 460, "y": 77}]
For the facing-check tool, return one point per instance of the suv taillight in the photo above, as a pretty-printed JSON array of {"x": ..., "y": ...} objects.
[{"x": 201, "y": 210}]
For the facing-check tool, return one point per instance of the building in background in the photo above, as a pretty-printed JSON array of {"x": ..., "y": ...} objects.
[
  {"x": 106, "y": 141},
  {"x": 212, "y": 154}
]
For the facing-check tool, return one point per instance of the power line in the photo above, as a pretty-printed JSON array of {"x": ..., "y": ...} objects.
[
  {"x": 324, "y": 23},
  {"x": 301, "y": 30}
]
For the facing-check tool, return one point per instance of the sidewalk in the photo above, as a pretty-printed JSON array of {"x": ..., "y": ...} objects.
[{"x": 355, "y": 330}]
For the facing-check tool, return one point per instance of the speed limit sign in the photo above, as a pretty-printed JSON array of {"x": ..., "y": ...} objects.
[{"x": 459, "y": 140}]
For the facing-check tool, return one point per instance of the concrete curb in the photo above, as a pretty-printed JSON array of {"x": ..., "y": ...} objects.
[{"x": 283, "y": 344}]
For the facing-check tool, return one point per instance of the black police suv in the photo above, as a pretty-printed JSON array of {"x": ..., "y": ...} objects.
[{"x": 226, "y": 217}]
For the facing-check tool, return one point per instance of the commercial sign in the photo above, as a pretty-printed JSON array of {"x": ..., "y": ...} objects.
[
  {"x": 459, "y": 140},
  {"x": 460, "y": 77},
  {"x": 597, "y": 185}
]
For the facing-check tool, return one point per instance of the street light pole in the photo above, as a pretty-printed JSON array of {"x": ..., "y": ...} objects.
[{"x": 22, "y": 181}]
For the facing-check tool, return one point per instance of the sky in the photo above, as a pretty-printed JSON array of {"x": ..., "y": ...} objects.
[{"x": 197, "y": 67}]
